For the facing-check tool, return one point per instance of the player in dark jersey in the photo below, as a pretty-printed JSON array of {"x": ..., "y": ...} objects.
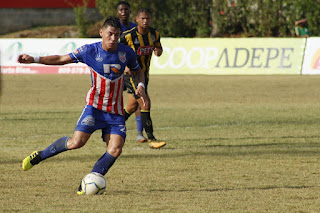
[
  {"x": 123, "y": 12},
  {"x": 104, "y": 110},
  {"x": 144, "y": 40}
]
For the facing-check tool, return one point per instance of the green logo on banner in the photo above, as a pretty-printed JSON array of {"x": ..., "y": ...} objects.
[
  {"x": 69, "y": 47},
  {"x": 14, "y": 50}
]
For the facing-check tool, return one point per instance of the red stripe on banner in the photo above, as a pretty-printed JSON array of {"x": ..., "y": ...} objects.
[
  {"x": 102, "y": 93},
  {"x": 46, "y": 4},
  {"x": 45, "y": 69},
  {"x": 111, "y": 91},
  {"x": 93, "y": 92}
]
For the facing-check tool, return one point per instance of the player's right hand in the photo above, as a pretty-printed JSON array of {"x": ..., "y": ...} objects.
[
  {"x": 140, "y": 91},
  {"x": 25, "y": 59}
]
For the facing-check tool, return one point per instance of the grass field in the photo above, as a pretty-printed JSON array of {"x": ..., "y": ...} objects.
[{"x": 234, "y": 144}]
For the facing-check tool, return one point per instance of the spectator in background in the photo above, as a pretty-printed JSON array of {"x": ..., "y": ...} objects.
[{"x": 301, "y": 28}]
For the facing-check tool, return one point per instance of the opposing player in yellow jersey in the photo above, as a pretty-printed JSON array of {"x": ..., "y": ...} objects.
[
  {"x": 123, "y": 12},
  {"x": 144, "y": 40}
]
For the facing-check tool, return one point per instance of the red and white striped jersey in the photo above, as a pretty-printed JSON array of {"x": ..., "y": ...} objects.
[
  {"x": 107, "y": 70},
  {"x": 106, "y": 94}
]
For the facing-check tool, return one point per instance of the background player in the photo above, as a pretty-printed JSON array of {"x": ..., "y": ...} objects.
[
  {"x": 144, "y": 40},
  {"x": 104, "y": 110},
  {"x": 123, "y": 12}
]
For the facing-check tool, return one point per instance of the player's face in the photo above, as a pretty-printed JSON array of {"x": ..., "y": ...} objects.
[
  {"x": 110, "y": 36},
  {"x": 123, "y": 12},
  {"x": 143, "y": 20}
]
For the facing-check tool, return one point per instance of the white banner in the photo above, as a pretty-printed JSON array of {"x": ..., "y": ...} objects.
[
  {"x": 311, "y": 62},
  {"x": 210, "y": 56},
  {"x": 12, "y": 48}
]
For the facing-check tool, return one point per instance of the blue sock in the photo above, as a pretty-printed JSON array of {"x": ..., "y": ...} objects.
[
  {"x": 57, "y": 147},
  {"x": 139, "y": 124},
  {"x": 104, "y": 164}
]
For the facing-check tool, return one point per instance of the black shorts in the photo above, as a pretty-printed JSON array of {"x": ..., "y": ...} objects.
[{"x": 131, "y": 84}]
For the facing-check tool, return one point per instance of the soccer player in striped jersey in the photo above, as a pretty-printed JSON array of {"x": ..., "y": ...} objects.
[
  {"x": 123, "y": 12},
  {"x": 104, "y": 109},
  {"x": 144, "y": 40}
]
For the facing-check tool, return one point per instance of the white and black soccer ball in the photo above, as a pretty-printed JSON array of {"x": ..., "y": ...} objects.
[{"x": 93, "y": 184}]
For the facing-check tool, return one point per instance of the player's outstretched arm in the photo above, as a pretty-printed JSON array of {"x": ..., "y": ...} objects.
[{"x": 48, "y": 60}]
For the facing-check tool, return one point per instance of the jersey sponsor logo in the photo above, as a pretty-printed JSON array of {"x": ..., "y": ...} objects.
[
  {"x": 147, "y": 50},
  {"x": 113, "y": 67},
  {"x": 122, "y": 56},
  {"x": 115, "y": 70},
  {"x": 88, "y": 121}
]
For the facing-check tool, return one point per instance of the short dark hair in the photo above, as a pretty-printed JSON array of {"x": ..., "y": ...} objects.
[
  {"x": 144, "y": 10},
  {"x": 111, "y": 21},
  {"x": 123, "y": 2}
]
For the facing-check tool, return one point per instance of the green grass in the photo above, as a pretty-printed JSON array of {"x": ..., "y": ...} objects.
[{"x": 234, "y": 144}]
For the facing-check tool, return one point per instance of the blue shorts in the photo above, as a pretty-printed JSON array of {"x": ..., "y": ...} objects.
[{"x": 93, "y": 119}]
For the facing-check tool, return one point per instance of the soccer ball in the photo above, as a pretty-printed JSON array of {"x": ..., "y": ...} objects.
[{"x": 93, "y": 184}]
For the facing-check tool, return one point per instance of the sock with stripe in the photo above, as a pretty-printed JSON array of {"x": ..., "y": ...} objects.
[
  {"x": 126, "y": 114},
  {"x": 147, "y": 123}
]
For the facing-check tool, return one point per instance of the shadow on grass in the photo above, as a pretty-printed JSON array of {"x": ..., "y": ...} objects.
[
  {"x": 127, "y": 192},
  {"x": 232, "y": 189},
  {"x": 289, "y": 149},
  {"x": 252, "y": 138}
]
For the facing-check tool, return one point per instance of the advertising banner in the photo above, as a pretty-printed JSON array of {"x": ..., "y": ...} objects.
[
  {"x": 209, "y": 56},
  {"x": 12, "y": 48},
  {"x": 311, "y": 62},
  {"x": 230, "y": 56}
]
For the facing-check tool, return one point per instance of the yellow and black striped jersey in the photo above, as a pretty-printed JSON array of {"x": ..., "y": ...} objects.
[{"x": 143, "y": 45}]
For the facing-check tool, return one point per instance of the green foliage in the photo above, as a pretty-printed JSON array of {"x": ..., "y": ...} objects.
[
  {"x": 264, "y": 18},
  {"x": 203, "y": 18},
  {"x": 81, "y": 19},
  {"x": 170, "y": 17}
]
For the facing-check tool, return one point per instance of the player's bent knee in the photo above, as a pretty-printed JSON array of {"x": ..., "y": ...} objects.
[
  {"x": 75, "y": 143},
  {"x": 131, "y": 109},
  {"x": 115, "y": 151}
]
